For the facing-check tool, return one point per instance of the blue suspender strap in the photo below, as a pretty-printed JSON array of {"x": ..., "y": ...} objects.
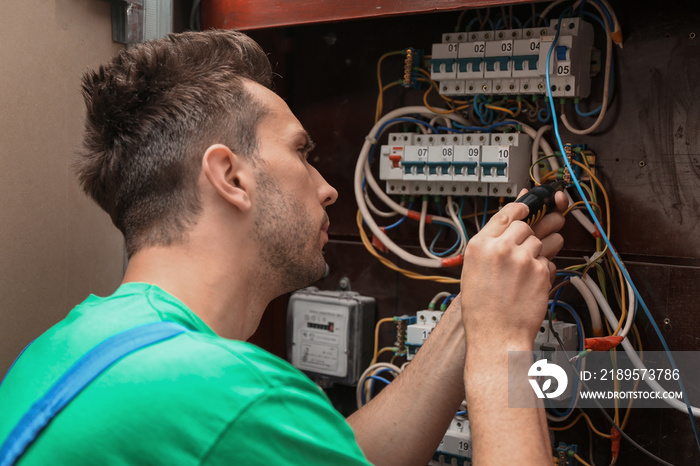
[{"x": 84, "y": 371}]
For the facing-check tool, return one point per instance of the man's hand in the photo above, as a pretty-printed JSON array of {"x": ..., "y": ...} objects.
[
  {"x": 507, "y": 275},
  {"x": 506, "y": 279}
]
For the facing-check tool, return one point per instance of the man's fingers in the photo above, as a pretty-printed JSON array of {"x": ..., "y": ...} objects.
[
  {"x": 561, "y": 200},
  {"x": 502, "y": 219},
  {"x": 549, "y": 224},
  {"x": 551, "y": 245},
  {"x": 533, "y": 246},
  {"x": 552, "y": 272}
]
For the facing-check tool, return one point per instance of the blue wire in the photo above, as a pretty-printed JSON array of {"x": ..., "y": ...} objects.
[
  {"x": 452, "y": 248},
  {"x": 448, "y": 299},
  {"x": 554, "y": 303},
  {"x": 442, "y": 228},
  {"x": 517, "y": 21},
  {"x": 586, "y": 114},
  {"x": 612, "y": 66},
  {"x": 461, "y": 220},
  {"x": 543, "y": 118},
  {"x": 445, "y": 128},
  {"x": 405, "y": 119},
  {"x": 471, "y": 23},
  {"x": 487, "y": 129},
  {"x": 595, "y": 17},
  {"x": 381, "y": 379},
  {"x": 611, "y": 249},
  {"x": 479, "y": 110},
  {"x": 371, "y": 378},
  {"x": 504, "y": 123},
  {"x": 580, "y": 8},
  {"x": 607, "y": 13},
  {"x": 486, "y": 209},
  {"x": 400, "y": 221},
  {"x": 470, "y": 128},
  {"x": 394, "y": 225}
]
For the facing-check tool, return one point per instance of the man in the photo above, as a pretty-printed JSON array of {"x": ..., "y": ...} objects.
[{"x": 205, "y": 172}]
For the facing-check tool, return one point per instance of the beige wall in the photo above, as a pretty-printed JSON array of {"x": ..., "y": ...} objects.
[{"x": 56, "y": 246}]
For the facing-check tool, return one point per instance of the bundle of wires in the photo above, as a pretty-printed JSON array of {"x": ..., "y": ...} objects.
[{"x": 615, "y": 257}]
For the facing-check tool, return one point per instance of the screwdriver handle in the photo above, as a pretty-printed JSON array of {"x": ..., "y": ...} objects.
[{"x": 540, "y": 201}]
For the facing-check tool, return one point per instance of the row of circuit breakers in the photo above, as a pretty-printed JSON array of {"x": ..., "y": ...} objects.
[
  {"x": 513, "y": 61},
  {"x": 476, "y": 164}
]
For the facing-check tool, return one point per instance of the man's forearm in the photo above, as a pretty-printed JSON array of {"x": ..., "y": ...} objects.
[
  {"x": 503, "y": 434},
  {"x": 404, "y": 424}
]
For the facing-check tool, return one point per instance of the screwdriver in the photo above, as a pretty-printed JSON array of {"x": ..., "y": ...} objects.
[{"x": 540, "y": 200}]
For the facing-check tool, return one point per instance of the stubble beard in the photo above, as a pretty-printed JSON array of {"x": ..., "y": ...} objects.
[{"x": 288, "y": 240}]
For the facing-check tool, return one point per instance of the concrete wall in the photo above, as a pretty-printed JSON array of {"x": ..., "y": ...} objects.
[{"x": 56, "y": 246}]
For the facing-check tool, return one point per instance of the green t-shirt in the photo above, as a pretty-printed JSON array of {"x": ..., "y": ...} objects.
[{"x": 194, "y": 399}]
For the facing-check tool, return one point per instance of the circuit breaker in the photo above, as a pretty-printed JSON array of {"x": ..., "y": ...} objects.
[
  {"x": 329, "y": 334},
  {"x": 456, "y": 446},
  {"x": 547, "y": 347},
  {"x": 513, "y": 61},
  {"x": 470, "y": 164},
  {"x": 417, "y": 333}
]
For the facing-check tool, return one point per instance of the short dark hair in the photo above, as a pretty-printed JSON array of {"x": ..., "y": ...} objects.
[{"x": 152, "y": 113}]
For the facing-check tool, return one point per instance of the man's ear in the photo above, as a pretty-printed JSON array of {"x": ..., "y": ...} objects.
[{"x": 228, "y": 175}]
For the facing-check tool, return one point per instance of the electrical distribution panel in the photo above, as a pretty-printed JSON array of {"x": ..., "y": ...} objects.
[
  {"x": 471, "y": 164},
  {"x": 330, "y": 334},
  {"x": 547, "y": 347},
  {"x": 456, "y": 446},
  {"x": 513, "y": 61},
  {"x": 417, "y": 333}
]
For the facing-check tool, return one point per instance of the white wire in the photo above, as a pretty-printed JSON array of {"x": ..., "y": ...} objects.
[
  {"x": 616, "y": 23},
  {"x": 447, "y": 121},
  {"x": 592, "y": 305},
  {"x": 458, "y": 224},
  {"x": 634, "y": 358},
  {"x": 549, "y": 8},
  {"x": 439, "y": 296},
  {"x": 630, "y": 309},
  {"x": 362, "y": 170},
  {"x": 376, "y": 211},
  {"x": 370, "y": 371},
  {"x": 552, "y": 417},
  {"x": 421, "y": 230},
  {"x": 606, "y": 85}
]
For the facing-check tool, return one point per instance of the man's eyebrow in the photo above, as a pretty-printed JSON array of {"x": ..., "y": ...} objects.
[{"x": 309, "y": 145}]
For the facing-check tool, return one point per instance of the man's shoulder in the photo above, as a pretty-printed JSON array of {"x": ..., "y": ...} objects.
[{"x": 221, "y": 360}]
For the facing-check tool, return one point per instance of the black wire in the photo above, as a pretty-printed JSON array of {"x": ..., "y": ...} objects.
[
  {"x": 510, "y": 17},
  {"x": 605, "y": 413}
]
